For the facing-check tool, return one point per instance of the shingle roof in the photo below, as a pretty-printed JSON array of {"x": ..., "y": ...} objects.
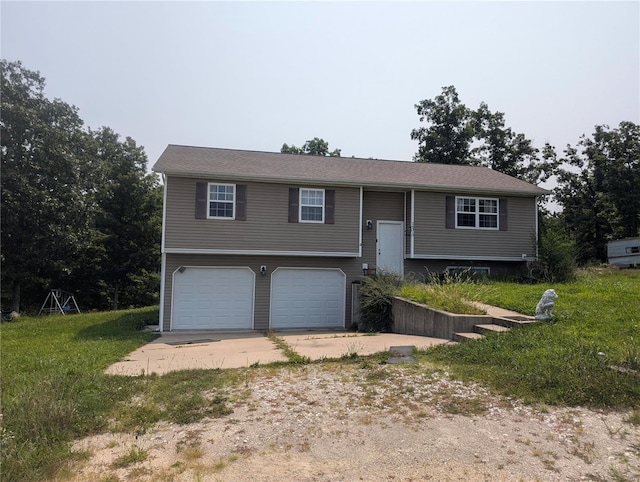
[{"x": 229, "y": 164}]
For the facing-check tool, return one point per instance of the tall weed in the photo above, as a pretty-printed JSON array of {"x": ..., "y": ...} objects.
[
  {"x": 446, "y": 292},
  {"x": 376, "y": 295}
]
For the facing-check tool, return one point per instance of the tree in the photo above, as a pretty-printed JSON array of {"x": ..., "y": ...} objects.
[
  {"x": 449, "y": 133},
  {"x": 43, "y": 203},
  {"x": 314, "y": 147},
  {"x": 128, "y": 218},
  {"x": 79, "y": 211},
  {"x": 599, "y": 189},
  {"x": 455, "y": 134}
]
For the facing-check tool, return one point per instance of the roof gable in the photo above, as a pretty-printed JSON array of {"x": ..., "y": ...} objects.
[{"x": 277, "y": 167}]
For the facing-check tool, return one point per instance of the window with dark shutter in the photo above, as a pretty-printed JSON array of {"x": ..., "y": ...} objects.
[
  {"x": 462, "y": 212},
  {"x": 221, "y": 201}
]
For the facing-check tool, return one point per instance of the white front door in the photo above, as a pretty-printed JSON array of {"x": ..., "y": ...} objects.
[{"x": 390, "y": 246}]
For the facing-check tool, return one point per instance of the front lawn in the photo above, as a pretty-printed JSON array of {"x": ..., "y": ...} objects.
[
  {"x": 569, "y": 360},
  {"x": 54, "y": 389}
]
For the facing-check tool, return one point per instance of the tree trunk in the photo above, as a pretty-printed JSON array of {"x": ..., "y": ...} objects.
[
  {"x": 116, "y": 293},
  {"x": 15, "y": 304}
]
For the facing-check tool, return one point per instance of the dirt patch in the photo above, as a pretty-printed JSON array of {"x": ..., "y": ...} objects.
[{"x": 374, "y": 423}]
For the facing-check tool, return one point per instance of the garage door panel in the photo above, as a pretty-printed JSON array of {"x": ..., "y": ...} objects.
[
  {"x": 213, "y": 299},
  {"x": 307, "y": 298}
]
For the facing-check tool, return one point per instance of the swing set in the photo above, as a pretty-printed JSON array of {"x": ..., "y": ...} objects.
[{"x": 59, "y": 302}]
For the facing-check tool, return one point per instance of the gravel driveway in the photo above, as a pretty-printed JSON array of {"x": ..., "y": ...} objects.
[{"x": 347, "y": 422}]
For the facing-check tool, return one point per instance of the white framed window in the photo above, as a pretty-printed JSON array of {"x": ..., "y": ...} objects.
[
  {"x": 311, "y": 205},
  {"x": 476, "y": 213},
  {"x": 222, "y": 201}
]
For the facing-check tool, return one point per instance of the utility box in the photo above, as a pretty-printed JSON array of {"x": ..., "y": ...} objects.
[{"x": 625, "y": 252}]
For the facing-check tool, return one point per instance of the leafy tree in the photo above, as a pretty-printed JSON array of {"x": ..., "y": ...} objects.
[
  {"x": 599, "y": 189},
  {"x": 455, "y": 134},
  {"x": 450, "y": 130},
  {"x": 314, "y": 147},
  {"x": 128, "y": 218},
  {"x": 78, "y": 211},
  {"x": 43, "y": 203}
]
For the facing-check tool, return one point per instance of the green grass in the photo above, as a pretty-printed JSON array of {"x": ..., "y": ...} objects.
[
  {"x": 448, "y": 292},
  {"x": 54, "y": 389},
  {"x": 449, "y": 297},
  {"x": 558, "y": 363},
  {"x": 135, "y": 455}
]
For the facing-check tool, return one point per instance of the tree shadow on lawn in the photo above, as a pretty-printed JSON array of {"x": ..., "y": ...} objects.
[{"x": 122, "y": 326}]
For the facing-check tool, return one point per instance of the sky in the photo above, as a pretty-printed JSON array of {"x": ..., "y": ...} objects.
[{"x": 255, "y": 75}]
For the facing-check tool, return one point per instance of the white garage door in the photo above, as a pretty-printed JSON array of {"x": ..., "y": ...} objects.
[
  {"x": 213, "y": 299},
  {"x": 307, "y": 298}
]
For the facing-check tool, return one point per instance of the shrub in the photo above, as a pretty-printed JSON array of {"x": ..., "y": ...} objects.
[
  {"x": 556, "y": 253},
  {"x": 376, "y": 294}
]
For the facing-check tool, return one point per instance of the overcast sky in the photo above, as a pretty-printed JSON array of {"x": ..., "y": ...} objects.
[{"x": 247, "y": 75}]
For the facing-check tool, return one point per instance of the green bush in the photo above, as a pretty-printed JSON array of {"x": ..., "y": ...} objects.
[
  {"x": 376, "y": 295},
  {"x": 556, "y": 253}
]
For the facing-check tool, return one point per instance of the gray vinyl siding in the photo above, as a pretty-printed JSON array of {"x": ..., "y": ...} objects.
[
  {"x": 379, "y": 206},
  {"x": 350, "y": 266},
  {"x": 432, "y": 238},
  {"x": 266, "y": 227}
]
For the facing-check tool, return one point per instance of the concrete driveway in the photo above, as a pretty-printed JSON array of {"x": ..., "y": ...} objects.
[{"x": 188, "y": 350}]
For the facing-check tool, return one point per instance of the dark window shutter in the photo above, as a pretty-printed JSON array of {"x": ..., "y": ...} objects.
[
  {"x": 502, "y": 209},
  {"x": 451, "y": 212},
  {"x": 241, "y": 202},
  {"x": 202, "y": 201},
  {"x": 294, "y": 200},
  {"x": 329, "y": 206}
]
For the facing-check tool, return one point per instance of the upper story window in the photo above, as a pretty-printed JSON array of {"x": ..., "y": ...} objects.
[
  {"x": 476, "y": 213},
  {"x": 222, "y": 201},
  {"x": 312, "y": 205}
]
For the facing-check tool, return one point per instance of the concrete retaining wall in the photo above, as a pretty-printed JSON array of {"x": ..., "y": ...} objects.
[{"x": 411, "y": 318}]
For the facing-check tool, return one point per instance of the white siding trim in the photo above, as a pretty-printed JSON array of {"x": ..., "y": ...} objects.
[
  {"x": 535, "y": 206},
  {"x": 471, "y": 258},
  {"x": 163, "y": 257},
  {"x": 164, "y": 210},
  {"x": 360, "y": 225},
  {"x": 163, "y": 271},
  {"x": 412, "y": 239},
  {"x": 263, "y": 252}
]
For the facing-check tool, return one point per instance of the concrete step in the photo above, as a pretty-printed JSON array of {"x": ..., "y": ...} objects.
[
  {"x": 489, "y": 328},
  {"x": 513, "y": 321},
  {"x": 464, "y": 337}
]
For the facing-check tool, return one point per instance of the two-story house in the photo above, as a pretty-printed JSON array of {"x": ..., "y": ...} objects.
[{"x": 260, "y": 240}]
